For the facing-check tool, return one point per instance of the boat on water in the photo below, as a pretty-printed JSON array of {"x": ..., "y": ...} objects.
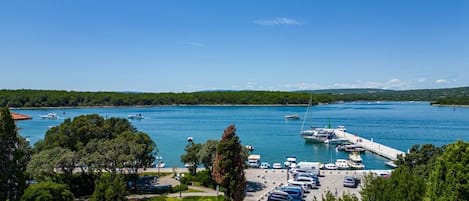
[
  {"x": 329, "y": 166},
  {"x": 292, "y": 117},
  {"x": 342, "y": 164},
  {"x": 391, "y": 164},
  {"x": 49, "y": 116},
  {"x": 355, "y": 157},
  {"x": 356, "y": 166},
  {"x": 290, "y": 162},
  {"x": 318, "y": 135},
  {"x": 189, "y": 165},
  {"x": 336, "y": 141},
  {"x": 350, "y": 148},
  {"x": 135, "y": 116}
]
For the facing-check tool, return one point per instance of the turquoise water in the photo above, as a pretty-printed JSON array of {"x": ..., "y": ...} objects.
[{"x": 396, "y": 124}]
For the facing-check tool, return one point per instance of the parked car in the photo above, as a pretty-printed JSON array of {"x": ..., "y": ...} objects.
[
  {"x": 277, "y": 166},
  {"x": 295, "y": 192},
  {"x": 279, "y": 196},
  {"x": 264, "y": 165},
  {"x": 309, "y": 175},
  {"x": 303, "y": 186},
  {"x": 351, "y": 182}
]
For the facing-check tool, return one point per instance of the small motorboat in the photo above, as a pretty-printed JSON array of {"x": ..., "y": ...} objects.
[
  {"x": 135, "y": 116},
  {"x": 355, "y": 157},
  {"x": 250, "y": 147},
  {"x": 356, "y": 166},
  {"x": 49, "y": 116},
  {"x": 292, "y": 117},
  {"x": 391, "y": 164}
]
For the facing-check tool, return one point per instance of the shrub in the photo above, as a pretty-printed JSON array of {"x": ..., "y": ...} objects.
[{"x": 47, "y": 191}]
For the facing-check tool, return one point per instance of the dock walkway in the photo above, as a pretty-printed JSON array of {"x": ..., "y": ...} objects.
[{"x": 374, "y": 147}]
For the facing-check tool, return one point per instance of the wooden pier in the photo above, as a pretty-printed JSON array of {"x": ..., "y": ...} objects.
[{"x": 374, "y": 147}]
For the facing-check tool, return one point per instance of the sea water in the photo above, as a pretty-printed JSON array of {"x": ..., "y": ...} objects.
[{"x": 396, "y": 124}]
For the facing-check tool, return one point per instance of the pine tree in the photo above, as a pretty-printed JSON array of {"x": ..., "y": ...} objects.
[
  {"x": 14, "y": 154},
  {"x": 228, "y": 169}
]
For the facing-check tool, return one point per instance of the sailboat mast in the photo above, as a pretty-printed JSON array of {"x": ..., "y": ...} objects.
[{"x": 310, "y": 102}]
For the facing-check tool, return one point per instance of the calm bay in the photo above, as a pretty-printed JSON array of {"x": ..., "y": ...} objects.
[{"x": 396, "y": 124}]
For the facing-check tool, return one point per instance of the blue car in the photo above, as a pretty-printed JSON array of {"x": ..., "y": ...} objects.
[{"x": 294, "y": 191}]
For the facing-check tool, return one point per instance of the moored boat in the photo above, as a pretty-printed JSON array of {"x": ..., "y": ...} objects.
[
  {"x": 135, "y": 116},
  {"x": 342, "y": 164},
  {"x": 330, "y": 166},
  {"x": 350, "y": 148},
  {"x": 290, "y": 162},
  {"x": 49, "y": 116},
  {"x": 391, "y": 164},
  {"x": 356, "y": 166},
  {"x": 355, "y": 157},
  {"x": 292, "y": 117}
]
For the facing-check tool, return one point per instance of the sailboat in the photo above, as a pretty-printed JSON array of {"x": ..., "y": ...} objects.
[{"x": 315, "y": 135}]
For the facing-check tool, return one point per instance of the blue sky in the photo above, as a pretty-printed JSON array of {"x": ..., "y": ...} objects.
[{"x": 160, "y": 46}]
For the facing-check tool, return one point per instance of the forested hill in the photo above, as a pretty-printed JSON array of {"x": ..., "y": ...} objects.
[
  {"x": 448, "y": 96},
  {"x": 56, "y": 98},
  {"x": 50, "y": 98}
]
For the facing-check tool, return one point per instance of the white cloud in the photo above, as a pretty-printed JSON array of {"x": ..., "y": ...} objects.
[
  {"x": 421, "y": 79},
  {"x": 278, "y": 21},
  {"x": 441, "y": 81},
  {"x": 196, "y": 44}
]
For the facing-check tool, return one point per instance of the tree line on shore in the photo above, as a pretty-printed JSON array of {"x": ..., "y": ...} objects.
[{"x": 60, "y": 98}]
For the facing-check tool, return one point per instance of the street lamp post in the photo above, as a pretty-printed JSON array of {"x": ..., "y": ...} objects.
[
  {"x": 158, "y": 159},
  {"x": 180, "y": 184}
]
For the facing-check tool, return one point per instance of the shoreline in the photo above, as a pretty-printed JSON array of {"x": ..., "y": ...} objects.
[
  {"x": 444, "y": 105},
  {"x": 180, "y": 105}
]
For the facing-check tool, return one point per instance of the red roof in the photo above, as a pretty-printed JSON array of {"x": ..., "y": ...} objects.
[{"x": 17, "y": 116}]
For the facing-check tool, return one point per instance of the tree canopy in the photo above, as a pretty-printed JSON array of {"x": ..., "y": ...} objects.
[
  {"x": 426, "y": 173},
  {"x": 228, "y": 167},
  {"x": 14, "y": 155},
  {"x": 89, "y": 144}
]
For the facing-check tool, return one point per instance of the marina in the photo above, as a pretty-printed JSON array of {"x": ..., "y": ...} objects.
[{"x": 394, "y": 124}]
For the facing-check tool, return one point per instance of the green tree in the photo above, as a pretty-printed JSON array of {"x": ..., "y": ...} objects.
[
  {"x": 449, "y": 179},
  {"x": 14, "y": 155},
  {"x": 228, "y": 167},
  {"x": 41, "y": 166},
  {"x": 420, "y": 159},
  {"x": 47, "y": 191},
  {"x": 330, "y": 197},
  {"x": 109, "y": 189},
  {"x": 207, "y": 153},
  {"x": 402, "y": 185},
  {"x": 191, "y": 156}
]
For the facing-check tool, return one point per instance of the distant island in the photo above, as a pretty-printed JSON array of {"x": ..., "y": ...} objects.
[{"x": 29, "y": 98}]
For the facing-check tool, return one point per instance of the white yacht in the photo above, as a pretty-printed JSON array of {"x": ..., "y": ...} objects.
[{"x": 318, "y": 135}]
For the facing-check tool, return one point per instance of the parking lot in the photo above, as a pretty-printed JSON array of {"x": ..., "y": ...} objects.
[{"x": 332, "y": 180}]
